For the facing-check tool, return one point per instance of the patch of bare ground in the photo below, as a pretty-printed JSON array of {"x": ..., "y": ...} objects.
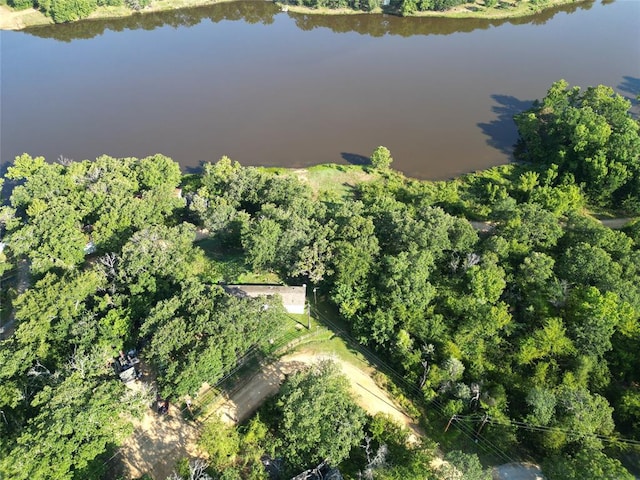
[
  {"x": 158, "y": 443},
  {"x": 19, "y": 19}
]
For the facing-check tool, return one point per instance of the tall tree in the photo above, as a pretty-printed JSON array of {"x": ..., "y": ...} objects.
[
  {"x": 589, "y": 135},
  {"x": 318, "y": 418}
]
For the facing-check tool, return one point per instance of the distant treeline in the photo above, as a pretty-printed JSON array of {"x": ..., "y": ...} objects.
[
  {"x": 408, "y": 7},
  {"x": 65, "y": 11},
  {"x": 264, "y": 13}
]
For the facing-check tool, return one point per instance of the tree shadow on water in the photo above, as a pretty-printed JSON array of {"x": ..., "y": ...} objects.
[
  {"x": 630, "y": 89},
  {"x": 502, "y": 132},
  {"x": 355, "y": 159},
  {"x": 197, "y": 169}
]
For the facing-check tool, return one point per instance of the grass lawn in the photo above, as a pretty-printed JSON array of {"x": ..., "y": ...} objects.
[
  {"x": 231, "y": 266},
  {"x": 332, "y": 181}
]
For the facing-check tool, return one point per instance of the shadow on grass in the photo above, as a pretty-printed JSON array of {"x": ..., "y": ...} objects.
[{"x": 229, "y": 263}]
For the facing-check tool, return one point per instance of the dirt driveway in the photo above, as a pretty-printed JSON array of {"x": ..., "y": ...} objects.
[
  {"x": 246, "y": 400},
  {"x": 159, "y": 441}
]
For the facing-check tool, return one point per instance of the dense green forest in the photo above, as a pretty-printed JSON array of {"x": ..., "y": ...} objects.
[{"x": 523, "y": 326}]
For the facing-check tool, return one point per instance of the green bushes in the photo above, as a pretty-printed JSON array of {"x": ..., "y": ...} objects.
[
  {"x": 137, "y": 4},
  {"x": 62, "y": 11},
  {"x": 360, "y": 5},
  {"x": 20, "y": 4},
  {"x": 446, "y": 4},
  {"x": 110, "y": 3}
]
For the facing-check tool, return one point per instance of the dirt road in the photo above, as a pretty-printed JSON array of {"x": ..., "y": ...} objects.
[
  {"x": 246, "y": 400},
  {"x": 160, "y": 441}
]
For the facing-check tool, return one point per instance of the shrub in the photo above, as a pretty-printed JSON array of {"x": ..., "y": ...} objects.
[
  {"x": 442, "y": 5},
  {"x": 110, "y": 3},
  {"x": 20, "y": 4},
  {"x": 137, "y": 4},
  {"x": 70, "y": 10}
]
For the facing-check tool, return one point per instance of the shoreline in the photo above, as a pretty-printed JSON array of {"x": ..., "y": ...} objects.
[
  {"x": 468, "y": 11},
  {"x": 21, "y": 19}
]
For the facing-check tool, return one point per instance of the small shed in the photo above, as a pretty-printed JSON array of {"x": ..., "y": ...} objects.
[{"x": 293, "y": 298}]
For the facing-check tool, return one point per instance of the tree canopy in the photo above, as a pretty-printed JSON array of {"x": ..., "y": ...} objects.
[
  {"x": 318, "y": 418},
  {"x": 590, "y": 137}
]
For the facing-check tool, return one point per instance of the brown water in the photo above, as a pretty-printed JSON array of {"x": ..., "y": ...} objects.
[{"x": 273, "y": 88}]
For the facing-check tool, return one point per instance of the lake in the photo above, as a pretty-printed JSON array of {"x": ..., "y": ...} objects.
[{"x": 271, "y": 88}]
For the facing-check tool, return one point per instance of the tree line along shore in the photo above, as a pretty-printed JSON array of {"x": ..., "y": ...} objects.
[{"x": 20, "y": 14}]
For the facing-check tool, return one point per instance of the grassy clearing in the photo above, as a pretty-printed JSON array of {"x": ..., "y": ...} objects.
[
  {"x": 155, "y": 6},
  {"x": 326, "y": 11},
  {"x": 230, "y": 266},
  {"x": 335, "y": 182},
  {"x": 11, "y": 19}
]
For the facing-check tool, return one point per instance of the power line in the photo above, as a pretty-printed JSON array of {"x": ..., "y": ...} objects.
[
  {"x": 484, "y": 443},
  {"x": 252, "y": 351},
  {"x": 545, "y": 428},
  {"x": 459, "y": 423}
]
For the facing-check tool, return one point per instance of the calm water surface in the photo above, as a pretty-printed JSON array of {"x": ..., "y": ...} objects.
[{"x": 273, "y": 88}]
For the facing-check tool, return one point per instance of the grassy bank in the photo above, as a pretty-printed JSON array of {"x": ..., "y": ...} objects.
[
  {"x": 503, "y": 9},
  {"x": 11, "y": 19}
]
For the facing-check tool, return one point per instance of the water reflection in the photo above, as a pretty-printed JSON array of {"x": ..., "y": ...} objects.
[
  {"x": 380, "y": 25},
  {"x": 249, "y": 12},
  {"x": 264, "y": 12}
]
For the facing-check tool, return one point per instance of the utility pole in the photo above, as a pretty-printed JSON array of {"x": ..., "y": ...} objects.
[
  {"x": 454, "y": 417},
  {"x": 308, "y": 316},
  {"x": 315, "y": 300},
  {"x": 484, "y": 422}
]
